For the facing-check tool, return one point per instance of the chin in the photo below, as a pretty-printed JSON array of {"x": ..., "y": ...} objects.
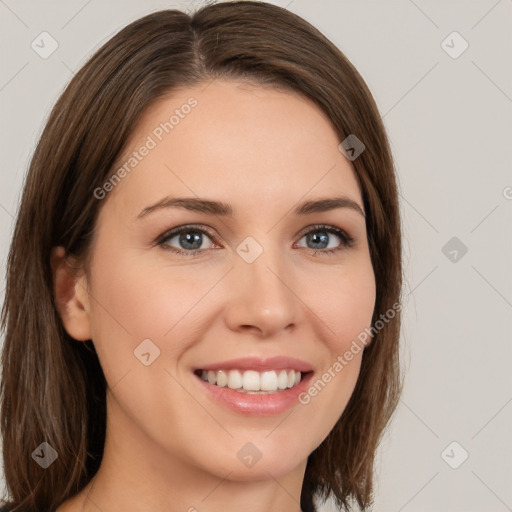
[{"x": 258, "y": 459}]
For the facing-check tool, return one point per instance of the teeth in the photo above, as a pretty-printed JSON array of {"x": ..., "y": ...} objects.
[
  {"x": 282, "y": 379},
  {"x": 268, "y": 381},
  {"x": 234, "y": 379},
  {"x": 222, "y": 379},
  {"x": 251, "y": 381}
]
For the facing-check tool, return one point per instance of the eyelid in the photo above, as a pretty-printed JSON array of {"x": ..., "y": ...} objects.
[
  {"x": 170, "y": 233},
  {"x": 326, "y": 227},
  {"x": 347, "y": 240}
]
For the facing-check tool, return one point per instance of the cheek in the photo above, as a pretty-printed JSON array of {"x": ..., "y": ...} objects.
[
  {"x": 354, "y": 307},
  {"x": 136, "y": 298},
  {"x": 137, "y": 292},
  {"x": 344, "y": 299},
  {"x": 345, "y": 304}
]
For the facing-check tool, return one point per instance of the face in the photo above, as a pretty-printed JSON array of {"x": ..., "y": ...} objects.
[{"x": 180, "y": 292}]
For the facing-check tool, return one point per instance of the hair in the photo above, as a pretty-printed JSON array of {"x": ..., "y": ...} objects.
[{"x": 53, "y": 388}]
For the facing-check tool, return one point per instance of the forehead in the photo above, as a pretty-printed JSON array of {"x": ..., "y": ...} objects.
[{"x": 234, "y": 142}]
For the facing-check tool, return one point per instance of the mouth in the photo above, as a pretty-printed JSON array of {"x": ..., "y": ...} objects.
[
  {"x": 253, "y": 381},
  {"x": 254, "y": 386}
]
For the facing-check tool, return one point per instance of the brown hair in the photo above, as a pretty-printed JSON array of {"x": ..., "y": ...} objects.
[{"x": 53, "y": 388}]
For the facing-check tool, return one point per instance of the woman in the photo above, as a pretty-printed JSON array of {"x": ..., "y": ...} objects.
[{"x": 202, "y": 302}]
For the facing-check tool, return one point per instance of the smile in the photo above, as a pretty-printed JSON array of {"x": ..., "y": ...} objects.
[
  {"x": 252, "y": 381},
  {"x": 254, "y": 386}
]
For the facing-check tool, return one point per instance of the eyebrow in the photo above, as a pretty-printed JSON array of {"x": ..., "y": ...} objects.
[{"x": 226, "y": 210}]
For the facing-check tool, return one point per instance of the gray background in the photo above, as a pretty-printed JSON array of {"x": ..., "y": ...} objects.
[{"x": 449, "y": 122}]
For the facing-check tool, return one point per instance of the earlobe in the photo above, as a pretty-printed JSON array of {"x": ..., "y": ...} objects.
[{"x": 70, "y": 296}]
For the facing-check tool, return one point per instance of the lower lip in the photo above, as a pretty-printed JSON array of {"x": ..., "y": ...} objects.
[{"x": 267, "y": 404}]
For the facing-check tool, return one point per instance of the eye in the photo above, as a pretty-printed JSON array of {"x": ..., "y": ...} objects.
[
  {"x": 190, "y": 238},
  {"x": 320, "y": 240}
]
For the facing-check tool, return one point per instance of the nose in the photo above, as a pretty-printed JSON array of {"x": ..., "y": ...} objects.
[{"x": 262, "y": 298}]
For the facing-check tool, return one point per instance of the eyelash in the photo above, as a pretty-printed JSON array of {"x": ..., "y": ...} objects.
[{"x": 346, "y": 240}]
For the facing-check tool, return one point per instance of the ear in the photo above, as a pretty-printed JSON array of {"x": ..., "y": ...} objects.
[{"x": 70, "y": 295}]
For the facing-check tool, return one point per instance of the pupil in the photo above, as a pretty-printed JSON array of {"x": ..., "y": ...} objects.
[
  {"x": 195, "y": 238},
  {"x": 322, "y": 239}
]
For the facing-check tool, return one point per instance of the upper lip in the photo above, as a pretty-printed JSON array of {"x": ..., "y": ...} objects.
[{"x": 260, "y": 364}]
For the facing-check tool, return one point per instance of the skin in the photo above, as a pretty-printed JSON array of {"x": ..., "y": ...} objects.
[{"x": 169, "y": 446}]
